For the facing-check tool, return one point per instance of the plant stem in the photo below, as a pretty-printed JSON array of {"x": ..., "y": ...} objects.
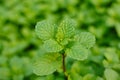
[{"x": 64, "y": 68}]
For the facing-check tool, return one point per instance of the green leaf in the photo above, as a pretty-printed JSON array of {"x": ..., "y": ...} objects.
[
  {"x": 18, "y": 77},
  {"x": 78, "y": 52},
  {"x": 74, "y": 76},
  {"x": 45, "y": 30},
  {"x": 16, "y": 65},
  {"x": 3, "y": 61},
  {"x": 111, "y": 55},
  {"x": 66, "y": 29},
  {"x": 89, "y": 77},
  {"x": 117, "y": 27},
  {"x": 5, "y": 73},
  {"x": 47, "y": 64},
  {"x": 27, "y": 66},
  {"x": 99, "y": 78},
  {"x": 51, "y": 46},
  {"x": 86, "y": 39},
  {"x": 111, "y": 74},
  {"x": 64, "y": 42},
  {"x": 48, "y": 77}
]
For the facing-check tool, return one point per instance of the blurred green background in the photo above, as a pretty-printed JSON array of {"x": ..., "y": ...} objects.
[{"x": 19, "y": 43}]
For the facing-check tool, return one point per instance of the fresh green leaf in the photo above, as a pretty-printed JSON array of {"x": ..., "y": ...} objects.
[
  {"x": 111, "y": 55},
  {"x": 64, "y": 42},
  {"x": 111, "y": 74},
  {"x": 74, "y": 76},
  {"x": 51, "y": 46},
  {"x": 48, "y": 77},
  {"x": 45, "y": 30},
  {"x": 27, "y": 66},
  {"x": 116, "y": 66},
  {"x": 18, "y": 77},
  {"x": 89, "y": 77},
  {"x": 17, "y": 65},
  {"x": 66, "y": 29},
  {"x": 78, "y": 52},
  {"x": 4, "y": 73},
  {"x": 117, "y": 27},
  {"x": 86, "y": 39},
  {"x": 47, "y": 64},
  {"x": 3, "y": 60},
  {"x": 99, "y": 78}
]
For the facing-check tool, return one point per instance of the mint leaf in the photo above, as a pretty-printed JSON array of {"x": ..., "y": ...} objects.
[
  {"x": 111, "y": 56},
  {"x": 51, "y": 46},
  {"x": 64, "y": 42},
  {"x": 5, "y": 73},
  {"x": 117, "y": 27},
  {"x": 45, "y": 30},
  {"x": 111, "y": 74},
  {"x": 78, "y": 52},
  {"x": 66, "y": 29},
  {"x": 16, "y": 65},
  {"x": 47, "y": 64},
  {"x": 86, "y": 39},
  {"x": 89, "y": 77},
  {"x": 18, "y": 77}
]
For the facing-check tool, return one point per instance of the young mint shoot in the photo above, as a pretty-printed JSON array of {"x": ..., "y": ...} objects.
[{"x": 60, "y": 41}]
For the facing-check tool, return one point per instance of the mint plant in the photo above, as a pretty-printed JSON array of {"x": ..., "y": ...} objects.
[{"x": 60, "y": 41}]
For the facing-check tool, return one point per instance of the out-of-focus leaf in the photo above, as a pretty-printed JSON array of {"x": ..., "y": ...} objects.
[
  {"x": 27, "y": 66},
  {"x": 99, "y": 78},
  {"x": 116, "y": 67},
  {"x": 3, "y": 61},
  {"x": 16, "y": 65},
  {"x": 18, "y": 77},
  {"x": 111, "y": 74},
  {"x": 4, "y": 73},
  {"x": 117, "y": 27},
  {"x": 75, "y": 76},
  {"x": 89, "y": 77},
  {"x": 1, "y": 47},
  {"x": 111, "y": 55}
]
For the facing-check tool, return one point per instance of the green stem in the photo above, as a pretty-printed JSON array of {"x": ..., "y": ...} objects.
[{"x": 64, "y": 67}]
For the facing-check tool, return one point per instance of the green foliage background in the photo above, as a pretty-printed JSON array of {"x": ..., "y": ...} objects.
[{"x": 19, "y": 43}]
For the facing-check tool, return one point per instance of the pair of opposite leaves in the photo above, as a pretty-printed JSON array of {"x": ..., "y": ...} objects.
[{"x": 64, "y": 37}]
